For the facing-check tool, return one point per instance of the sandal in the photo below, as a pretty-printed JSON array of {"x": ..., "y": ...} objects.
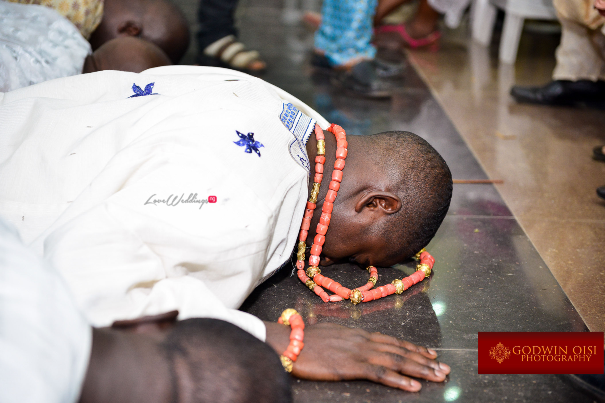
[
  {"x": 597, "y": 153},
  {"x": 431, "y": 40},
  {"x": 229, "y": 53}
]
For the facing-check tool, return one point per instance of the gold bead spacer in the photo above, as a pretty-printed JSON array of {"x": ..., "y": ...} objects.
[
  {"x": 425, "y": 268},
  {"x": 285, "y": 315},
  {"x": 312, "y": 271},
  {"x": 310, "y": 284},
  {"x": 300, "y": 254},
  {"x": 314, "y": 193},
  {"x": 321, "y": 147},
  {"x": 373, "y": 280},
  {"x": 369, "y": 268},
  {"x": 356, "y": 297},
  {"x": 419, "y": 253},
  {"x": 398, "y": 286},
  {"x": 287, "y": 363}
]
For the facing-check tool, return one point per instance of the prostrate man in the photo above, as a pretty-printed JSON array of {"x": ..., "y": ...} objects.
[{"x": 182, "y": 188}]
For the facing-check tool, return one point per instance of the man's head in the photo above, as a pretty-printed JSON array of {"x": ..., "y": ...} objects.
[
  {"x": 126, "y": 54},
  {"x": 158, "y": 21},
  {"x": 393, "y": 197}
]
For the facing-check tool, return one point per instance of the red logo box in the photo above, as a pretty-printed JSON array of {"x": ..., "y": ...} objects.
[
  {"x": 541, "y": 353},
  {"x": 211, "y": 199}
]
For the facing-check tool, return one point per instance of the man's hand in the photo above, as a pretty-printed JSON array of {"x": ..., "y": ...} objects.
[{"x": 337, "y": 353}]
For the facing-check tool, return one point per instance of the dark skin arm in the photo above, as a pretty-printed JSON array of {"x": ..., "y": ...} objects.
[{"x": 337, "y": 353}]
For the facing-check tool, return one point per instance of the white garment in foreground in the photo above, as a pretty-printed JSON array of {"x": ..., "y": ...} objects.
[
  {"x": 45, "y": 341},
  {"x": 37, "y": 44},
  {"x": 82, "y": 164}
]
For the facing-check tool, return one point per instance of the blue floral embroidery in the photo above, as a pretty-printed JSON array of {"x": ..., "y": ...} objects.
[
  {"x": 247, "y": 140},
  {"x": 138, "y": 92}
]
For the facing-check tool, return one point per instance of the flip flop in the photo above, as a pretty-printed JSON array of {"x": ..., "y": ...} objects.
[
  {"x": 229, "y": 53},
  {"x": 431, "y": 40},
  {"x": 597, "y": 153}
]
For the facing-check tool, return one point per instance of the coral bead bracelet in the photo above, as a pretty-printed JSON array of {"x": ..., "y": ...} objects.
[
  {"x": 292, "y": 318},
  {"x": 312, "y": 277}
]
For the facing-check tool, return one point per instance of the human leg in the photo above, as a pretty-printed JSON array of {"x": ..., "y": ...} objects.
[
  {"x": 216, "y": 21},
  {"x": 217, "y": 38},
  {"x": 579, "y": 76},
  {"x": 345, "y": 33},
  {"x": 343, "y": 46},
  {"x": 420, "y": 31}
]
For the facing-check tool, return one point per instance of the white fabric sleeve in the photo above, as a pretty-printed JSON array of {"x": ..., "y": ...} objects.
[
  {"x": 45, "y": 342},
  {"x": 126, "y": 258}
]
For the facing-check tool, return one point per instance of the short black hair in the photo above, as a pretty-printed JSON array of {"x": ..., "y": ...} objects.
[
  {"x": 215, "y": 361},
  {"x": 422, "y": 180}
]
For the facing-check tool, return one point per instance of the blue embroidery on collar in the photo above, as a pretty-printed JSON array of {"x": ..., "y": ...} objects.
[
  {"x": 247, "y": 140},
  {"x": 297, "y": 123},
  {"x": 138, "y": 92},
  {"x": 301, "y": 126}
]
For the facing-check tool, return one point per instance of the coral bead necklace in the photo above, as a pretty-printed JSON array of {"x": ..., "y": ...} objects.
[{"x": 312, "y": 277}]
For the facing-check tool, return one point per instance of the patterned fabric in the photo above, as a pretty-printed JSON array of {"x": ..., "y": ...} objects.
[
  {"x": 37, "y": 44},
  {"x": 138, "y": 92},
  {"x": 247, "y": 140},
  {"x": 301, "y": 126},
  {"x": 346, "y": 30},
  {"x": 84, "y": 14}
]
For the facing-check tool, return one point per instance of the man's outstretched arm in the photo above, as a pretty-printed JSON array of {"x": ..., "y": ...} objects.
[{"x": 195, "y": 360}]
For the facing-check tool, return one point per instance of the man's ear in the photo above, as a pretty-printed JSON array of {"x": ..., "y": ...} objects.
[
  {"x": 384, "y": 202},
  {"x": 130, "y": 28}
]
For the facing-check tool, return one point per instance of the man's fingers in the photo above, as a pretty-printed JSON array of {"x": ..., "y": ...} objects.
[
  {"x": 385, "y": 376},
  {"x": 419, "y": 358},
  {"x": 403, "y": 365},
  {"x": 383, "y": 338}
]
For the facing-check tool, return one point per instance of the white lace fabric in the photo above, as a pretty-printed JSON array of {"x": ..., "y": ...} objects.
[{"x": 37, "y": 44}]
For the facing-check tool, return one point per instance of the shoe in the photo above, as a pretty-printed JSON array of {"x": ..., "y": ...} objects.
[
  {"x": 364, "y": 79},
  {"x": 561, "y": 92},
  {"x": 601, "y": 192},
  {"x": 597, "y": 153},
  {"x": 383, "y": 68},
  {"x": 430, "y": 41}
]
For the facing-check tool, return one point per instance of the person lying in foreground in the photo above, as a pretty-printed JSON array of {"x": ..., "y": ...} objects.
[
  {"x": 38, "y": 44},
  {"x": 182, "y": 188},
  {"x": 50, "y": 354},
  {"x": 160, "y": 22}
]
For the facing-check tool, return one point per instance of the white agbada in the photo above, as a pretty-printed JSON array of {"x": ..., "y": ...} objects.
[{"x": 92, "y": 169}]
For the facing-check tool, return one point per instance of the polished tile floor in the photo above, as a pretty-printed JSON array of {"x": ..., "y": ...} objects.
[{"x": 498, "y": 247}]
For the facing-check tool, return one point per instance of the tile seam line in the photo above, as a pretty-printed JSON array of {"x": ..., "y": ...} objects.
[{"x": 411, "y": 58}]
